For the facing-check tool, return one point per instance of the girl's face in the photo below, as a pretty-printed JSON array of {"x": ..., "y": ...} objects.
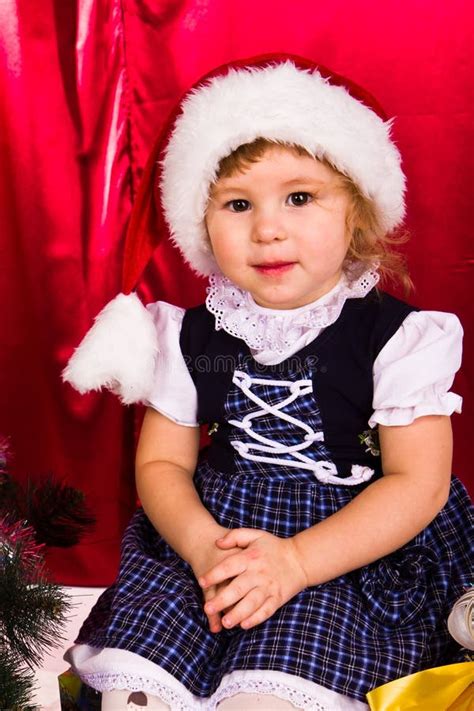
[{"x": 278, "y": 230}]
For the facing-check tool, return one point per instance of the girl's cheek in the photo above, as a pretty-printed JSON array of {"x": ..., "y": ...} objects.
[{"x": 209, "y": 230}]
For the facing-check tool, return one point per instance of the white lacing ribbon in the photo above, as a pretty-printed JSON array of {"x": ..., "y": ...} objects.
[{"x": 324, "y": 470}]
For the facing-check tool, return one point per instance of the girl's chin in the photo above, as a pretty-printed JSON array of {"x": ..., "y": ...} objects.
[
  {"x": 279, "y": 303},
  {"x": 284, "y": 299}
]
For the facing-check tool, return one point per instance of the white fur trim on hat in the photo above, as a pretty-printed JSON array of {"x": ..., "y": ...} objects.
[
  {"x": 118, "y": 352},
  {"x": 281, "y": 103}
]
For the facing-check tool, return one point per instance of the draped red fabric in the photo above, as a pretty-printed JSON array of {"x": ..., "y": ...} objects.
[{"x": 85, "y": 86}]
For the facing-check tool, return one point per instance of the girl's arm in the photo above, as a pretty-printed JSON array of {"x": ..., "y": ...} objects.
[
  {"x": 165, "y": 462},
  {"x": 164, "y": 467},
  {"x": 416, "y": 462}
]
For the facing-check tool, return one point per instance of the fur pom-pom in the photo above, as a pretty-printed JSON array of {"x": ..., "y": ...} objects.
[{"x": 117, "y": 353}]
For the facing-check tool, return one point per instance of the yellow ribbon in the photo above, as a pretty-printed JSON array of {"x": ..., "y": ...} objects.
[{"x": 448, "y": 688}]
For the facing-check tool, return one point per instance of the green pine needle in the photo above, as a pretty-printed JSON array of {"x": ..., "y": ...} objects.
[
  {"x": 17, "y": 683},
  {"x": 32, "y": 610}
]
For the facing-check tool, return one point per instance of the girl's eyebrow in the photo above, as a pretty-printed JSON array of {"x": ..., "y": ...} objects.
[
  {"x": 218, "y": 190},
  {"x": 299, "y": 180},
  {"x": 305, "y": 180}
]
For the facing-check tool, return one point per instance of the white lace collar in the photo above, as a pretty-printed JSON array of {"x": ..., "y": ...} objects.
[{"x": 273, "y": 334}]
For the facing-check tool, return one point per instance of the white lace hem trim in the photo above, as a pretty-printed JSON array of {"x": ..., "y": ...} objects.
[
  {"x": 281, "y": 685},
  {"x": 278, "y": 330},
  {"x": 303, "y": 694}
]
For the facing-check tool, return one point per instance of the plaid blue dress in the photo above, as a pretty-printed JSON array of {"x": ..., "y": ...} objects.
[{"x": 349, "y": 635}]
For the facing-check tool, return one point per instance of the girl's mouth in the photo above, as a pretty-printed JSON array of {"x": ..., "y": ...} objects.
[{"x": 274, "y": 268}]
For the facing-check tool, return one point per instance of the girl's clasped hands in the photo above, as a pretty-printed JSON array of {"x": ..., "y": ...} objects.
[{"x": 249, "y": 585}]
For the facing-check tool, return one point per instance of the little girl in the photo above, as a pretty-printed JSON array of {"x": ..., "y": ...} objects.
[{"x": 314, "y": 549}]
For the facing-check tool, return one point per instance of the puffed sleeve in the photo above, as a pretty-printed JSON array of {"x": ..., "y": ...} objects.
[
  {"x": 173, "y": 392},
  {"x": 415, "y": 369}
]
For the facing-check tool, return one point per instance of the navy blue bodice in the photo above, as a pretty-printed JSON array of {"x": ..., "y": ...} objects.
[{"x": 309, "y": 412}]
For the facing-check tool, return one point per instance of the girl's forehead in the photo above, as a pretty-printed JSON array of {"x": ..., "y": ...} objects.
[{"x": 278, "y": 162}]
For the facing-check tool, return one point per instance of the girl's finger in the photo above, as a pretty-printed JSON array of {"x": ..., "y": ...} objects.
[
  {"x": 240, "y": 537},
  {"x": 228, "y": 568},
  {"x": 231, "y": 594},
  {"x": 214, "y": 619},
  {"x": 243, "y": 609},
  {"x": 263, "y": 613}
]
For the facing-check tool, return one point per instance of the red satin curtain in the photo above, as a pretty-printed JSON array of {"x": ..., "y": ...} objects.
[{"x": 84, "y": 87}]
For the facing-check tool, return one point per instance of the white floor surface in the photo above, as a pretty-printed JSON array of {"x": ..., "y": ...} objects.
[{"x": 47, "y": 693}]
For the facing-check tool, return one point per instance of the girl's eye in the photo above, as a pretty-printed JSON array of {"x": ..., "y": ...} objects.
[
  {"x": 238, "y": 205},
  {"x": 298, "y": 199}
]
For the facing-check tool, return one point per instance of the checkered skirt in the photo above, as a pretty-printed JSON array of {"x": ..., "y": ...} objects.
[{"x": 360, "y": 630}]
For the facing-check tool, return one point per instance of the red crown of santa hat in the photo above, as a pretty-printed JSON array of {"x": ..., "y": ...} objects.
[{"x": 282, "y": 98}]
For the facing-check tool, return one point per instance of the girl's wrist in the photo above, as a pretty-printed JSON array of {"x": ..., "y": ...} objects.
[
  {"x": 200, "y": 541},
  {"x": 300, "y": 560}
]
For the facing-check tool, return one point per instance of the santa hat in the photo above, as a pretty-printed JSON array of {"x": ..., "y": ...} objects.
[{"x": 282, "y": 98}]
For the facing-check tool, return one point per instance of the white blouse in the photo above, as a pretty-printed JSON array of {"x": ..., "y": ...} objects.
[{"x": 413, "y": 372}]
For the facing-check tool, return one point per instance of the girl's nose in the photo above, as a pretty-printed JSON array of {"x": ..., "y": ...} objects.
[{"x": 268, "y": 228}]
